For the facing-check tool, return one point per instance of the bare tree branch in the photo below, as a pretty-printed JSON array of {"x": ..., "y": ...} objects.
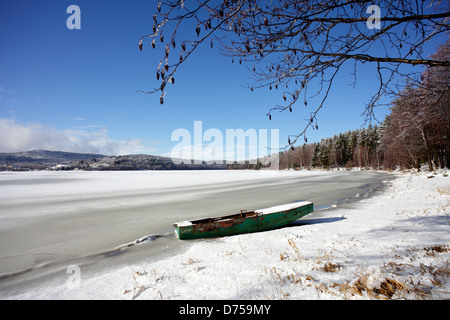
[{"x": 300, "y": 46}]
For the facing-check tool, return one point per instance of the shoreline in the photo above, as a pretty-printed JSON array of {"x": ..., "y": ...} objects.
[
  {"x": 402, "y": 254},
  {"x": 325, "y": 255}
]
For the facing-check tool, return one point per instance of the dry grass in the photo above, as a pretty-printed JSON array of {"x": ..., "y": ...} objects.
[
  {"x": 388, "y": 287},
  {"x": 331, "y": 267},
  {"x": 295, "y": 248},
  {"x": 443, "y": 191},
  {"x": 395, "y": 279},
  {"x": 189, "y": 262},
  {"x": 276, "y": 275},
  {"x": 137, "y": 288},
  {"x": 437, "y": 249},
  {"x": 442, "y": 209},
  {"x": 399, "y": 286},
  {"x": 385, "y": 289},
  {"x": 148, "y": 277},
  {"x": 323, "y": 258}
]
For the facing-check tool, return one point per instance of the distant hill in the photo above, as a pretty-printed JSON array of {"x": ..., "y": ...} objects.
[
  {"x": 140, "y": 162},
  {"x": 42, "y": 159},
  {"x": 58, "y": 160}
]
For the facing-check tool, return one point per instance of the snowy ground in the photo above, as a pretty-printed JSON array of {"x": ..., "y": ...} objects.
[{"x": 394, "y": 245}]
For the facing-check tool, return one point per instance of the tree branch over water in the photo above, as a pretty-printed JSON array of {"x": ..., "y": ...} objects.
[{"x": 300, "y": 46}]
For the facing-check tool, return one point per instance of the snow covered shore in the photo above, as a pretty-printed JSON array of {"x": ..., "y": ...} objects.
[{"x": 392, "y": 246}]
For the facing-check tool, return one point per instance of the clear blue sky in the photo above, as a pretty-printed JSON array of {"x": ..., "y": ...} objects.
[{"x": 74, "y": 90}]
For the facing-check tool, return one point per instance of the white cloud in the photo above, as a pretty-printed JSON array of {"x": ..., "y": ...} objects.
[
  {"x": 3, "y": 90},
  {"x": 90, "y": 139},
  {"x": 5, "y": 95}
]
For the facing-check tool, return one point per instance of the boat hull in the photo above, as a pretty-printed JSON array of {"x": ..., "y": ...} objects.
[{"x": 240, "y": 223}]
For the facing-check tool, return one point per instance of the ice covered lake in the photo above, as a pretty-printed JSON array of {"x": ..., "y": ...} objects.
[{"x": 51, "y": 220}]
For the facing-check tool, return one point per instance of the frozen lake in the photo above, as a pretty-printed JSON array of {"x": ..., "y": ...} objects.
[{"x": 50, "y": 220}]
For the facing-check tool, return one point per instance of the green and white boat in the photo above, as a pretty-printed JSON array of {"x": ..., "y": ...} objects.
[{"x": 243, "y": 222}]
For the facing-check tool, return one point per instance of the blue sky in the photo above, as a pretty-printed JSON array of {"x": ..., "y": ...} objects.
[{"x": 75, "y": 90}]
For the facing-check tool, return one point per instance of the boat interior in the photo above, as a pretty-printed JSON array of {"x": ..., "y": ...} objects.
[{"x": 242, "y": 214}]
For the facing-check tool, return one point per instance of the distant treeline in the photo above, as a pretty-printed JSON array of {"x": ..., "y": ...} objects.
[
  {"x": 416, "y": 132},
  {"x": 376, "y": 147},
  {"x": 357, "y": 148},
  {"x": 62, "y": 161},
  {"x": 138, "y": 162}
]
